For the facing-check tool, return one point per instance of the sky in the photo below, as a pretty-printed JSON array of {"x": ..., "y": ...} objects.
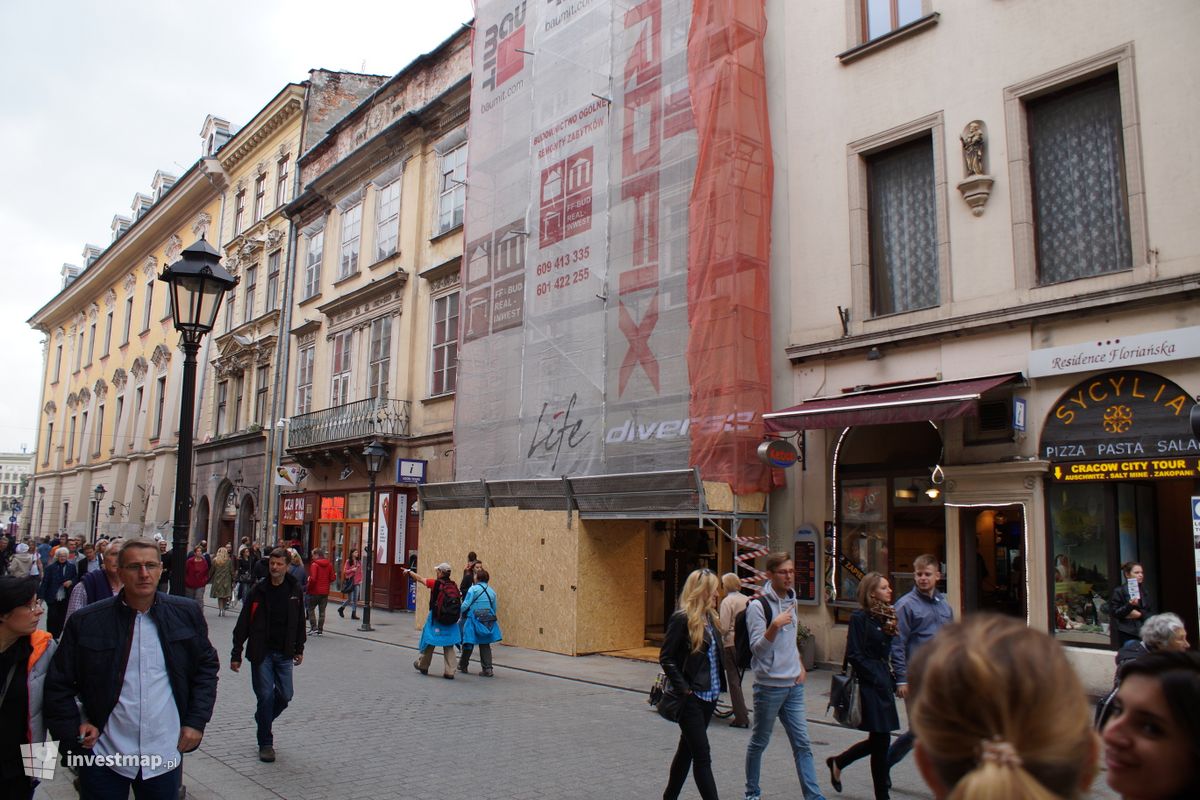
[{"x": 97, "y": 96}]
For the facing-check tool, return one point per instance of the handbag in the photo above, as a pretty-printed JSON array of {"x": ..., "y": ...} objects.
[
  {"x": 669, "y": 704},
  {"x": 484, "y": 616},
  {"x": 845, "y": 697}
]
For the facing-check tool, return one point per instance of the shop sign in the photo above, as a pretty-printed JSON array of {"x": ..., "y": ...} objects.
[
  {"x": 1127, "y": 470},
  {"x": 1124, "y": 351},
  {"x": 293, "y": 510},
  {"x": 333, "y": 507},
  {"x": 778, "y": 453},
  {"x": 1131, "y": 421}
]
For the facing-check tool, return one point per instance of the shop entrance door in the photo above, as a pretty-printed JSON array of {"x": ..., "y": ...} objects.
[
  {"x": 993, "y": 565},
  {"x": 348, "y": 540}
]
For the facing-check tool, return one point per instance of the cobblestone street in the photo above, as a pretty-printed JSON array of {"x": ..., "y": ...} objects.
[{"x": 365, "y": 724}]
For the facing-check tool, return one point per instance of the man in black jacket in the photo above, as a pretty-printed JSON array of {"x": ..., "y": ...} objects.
[
  {"x": 145, "y": 674},
  {"x": 271, "y": 625}
]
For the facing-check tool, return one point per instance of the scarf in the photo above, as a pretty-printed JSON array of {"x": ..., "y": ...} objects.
[{"x": 885, "y": 614}]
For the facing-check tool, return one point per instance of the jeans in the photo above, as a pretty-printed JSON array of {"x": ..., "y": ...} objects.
[
  {"x": 787, "y": 703},
  {"x": 101, "y": 783},
  {"x": 271, "y": 679},
  {"x": 317, "y": 602},
  {"x": 876, "y": 746},
  {"x": 693, "y": 750},
  {"x": 351, "y": 599},
  {"x": 903, "y": 743}
]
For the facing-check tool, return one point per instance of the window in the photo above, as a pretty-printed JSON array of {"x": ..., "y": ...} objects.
[
  {"x": 884, "y": 16},
  {"x": 66, "y": 513},
  {"x": 902, "y": 214},
  {"x": 1077, "y": 172},
  {"x": 445, "y": 344},
  {"x": 452, "y": 189},
  {"x": 49, "y": 441},
  {"x": 387, "y": 220},
  {"x": 120, "y": 412},
  {"x": 339, "y": 390},
  {"x": 229, "y": 311},
  {"x": 71, "y": 440},
  {"x": 138, "y": 395},
  {"x": 304, "y": 379},
  {"x": 312, "y": 263},
  {"x": 79, "y": 352},
  {"x": 239, "y": 212},
  {"x": 262, "y": 386},
  {"x": 273, "y": 281},
  {"x": 108, "y": 322},
  {"x": 260, "y": 196},
  {"x": 222, "y": 401},
  {"x": 351, "y": 235},
  {"x": 160, "y": 406},
  {"x": 381, "y": 348},
  {"x": 128, "y": 319},
  {"x": 91, "y": 343},
  {"x": 239, "y": 388},
  {"x": 57, "y": 363},
  {"x": 281, "y": 181},
  {"x": 99, "y": 437},
  {"x": 149, "y": 305},
  {"x": 83, "y": 429},
  {"x": 251, "y": 291}
]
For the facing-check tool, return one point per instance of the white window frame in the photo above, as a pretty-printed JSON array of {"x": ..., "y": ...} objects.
[
  {"x": 341, "y": 368},
  {"x": 260, "y": 196},
  {"x": 148, "y": 307},
  {"x": 160, "y": 406},
  {"x": 379, "y": 355},
  {"x": 128, "y": 320},
  {"x": 351, "y": 241},
  {"x": 305, "y": 357},
  {"x": 251, "y": 294},
  {"x": 452, "y": 188},
  {"x": 445, "y": 380},
  {"x": 312, "y": 263},
  {"x": 239, "y": 212},
  {"x": 281, "y": 180},
  {"x": 222, "y": 408},
  {"x": 387, "y": 220},
  {"x": 273, "y": 261}
]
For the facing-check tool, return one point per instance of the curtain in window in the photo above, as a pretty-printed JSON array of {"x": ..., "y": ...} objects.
[
  {"x": 1079, "y": 197},
  {"x": 903, "y": 220}
]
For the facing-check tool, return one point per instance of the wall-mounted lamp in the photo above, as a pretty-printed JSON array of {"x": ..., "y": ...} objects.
[{"x": 874, "y": 354}]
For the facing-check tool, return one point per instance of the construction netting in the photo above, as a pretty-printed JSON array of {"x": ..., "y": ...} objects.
[{"x": 615, "y": 314}]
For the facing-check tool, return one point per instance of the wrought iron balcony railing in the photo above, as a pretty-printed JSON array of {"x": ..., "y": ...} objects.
[{"x": 362, "y": 419}]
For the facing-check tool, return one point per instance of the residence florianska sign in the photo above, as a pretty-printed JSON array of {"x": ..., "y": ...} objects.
[{"x": 1121, "y": 425}]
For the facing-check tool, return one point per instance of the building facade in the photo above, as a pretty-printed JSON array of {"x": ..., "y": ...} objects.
[
  {"x": 985, "y": 296},
  {"x": 107, "y": 429},
  {"x": 374, "y": 315},
  {"x": 16, "y": 473}
]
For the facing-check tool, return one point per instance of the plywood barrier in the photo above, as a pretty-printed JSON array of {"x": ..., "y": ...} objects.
[{"x": 565, "y": 590}]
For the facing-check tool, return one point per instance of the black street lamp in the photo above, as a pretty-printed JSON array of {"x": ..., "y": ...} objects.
[
  {"x": 374, "y": 454},
  {"x": 97, "y": 495},
  {"x": 196, "y": 284}
]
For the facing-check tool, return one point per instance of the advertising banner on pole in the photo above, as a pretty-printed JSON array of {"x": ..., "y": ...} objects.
[{"x": 615, "y": 315}]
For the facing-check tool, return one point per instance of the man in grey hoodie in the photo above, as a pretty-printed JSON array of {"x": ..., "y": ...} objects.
[{"x": 778, "y": 678}]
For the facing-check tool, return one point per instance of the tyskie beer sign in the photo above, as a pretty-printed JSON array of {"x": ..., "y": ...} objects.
[{"x": 1121, "y": 425}]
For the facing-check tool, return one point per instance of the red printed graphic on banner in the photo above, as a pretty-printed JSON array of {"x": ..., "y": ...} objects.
[
  {"x": 566, "y": 198},
  {"x": 499, "y": 306},
  {"x": 502, "y": 44}
]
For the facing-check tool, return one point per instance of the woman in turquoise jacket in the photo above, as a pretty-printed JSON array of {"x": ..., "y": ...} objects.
[{"x": 480, "y": 626}]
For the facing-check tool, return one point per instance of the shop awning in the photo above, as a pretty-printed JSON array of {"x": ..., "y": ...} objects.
[{"x": 907, "y": 403}]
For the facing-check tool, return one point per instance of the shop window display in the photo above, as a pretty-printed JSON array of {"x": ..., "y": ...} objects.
[{"x": 1082, "y": 576}]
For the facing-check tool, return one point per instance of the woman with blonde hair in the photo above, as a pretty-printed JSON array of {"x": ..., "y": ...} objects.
[
  {"x": 690, "y": 658},
  {"x": 868, "y": 645},
  {"x": 999, "y": 712},
  {"x": 222, "y": 580}
]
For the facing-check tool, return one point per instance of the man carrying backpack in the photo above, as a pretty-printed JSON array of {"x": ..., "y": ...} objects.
[{"x": 441, "y": 627}]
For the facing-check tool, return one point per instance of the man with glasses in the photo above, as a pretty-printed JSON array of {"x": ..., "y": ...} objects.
[
  {"x": 778, "y": 678},
  {"x": 142, "y": 670}
]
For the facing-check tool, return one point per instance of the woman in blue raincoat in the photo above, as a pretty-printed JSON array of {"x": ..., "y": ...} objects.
[
  {"x": 480, "y": 626},
  {"x": 439, "y": 632}
]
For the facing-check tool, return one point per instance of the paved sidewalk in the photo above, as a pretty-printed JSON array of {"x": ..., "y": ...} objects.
[{"x": 364, "y": 724}]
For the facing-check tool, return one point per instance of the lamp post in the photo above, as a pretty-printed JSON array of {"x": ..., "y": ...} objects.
[
  {"x": 196, "y": 284},
  {"x": 374, "y": 454},
  {"x": 97, "y": 496}
]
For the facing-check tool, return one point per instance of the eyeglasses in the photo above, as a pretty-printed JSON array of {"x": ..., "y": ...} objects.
[
  {"x": 35, "y": 606},
  {"x": 149, "y": 566}
]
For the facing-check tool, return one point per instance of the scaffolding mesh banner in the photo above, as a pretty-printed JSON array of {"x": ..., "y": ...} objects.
[{"x": 616, "y": 299}]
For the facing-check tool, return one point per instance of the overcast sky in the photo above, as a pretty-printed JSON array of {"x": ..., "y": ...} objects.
[{"x": 97, "y": 96}]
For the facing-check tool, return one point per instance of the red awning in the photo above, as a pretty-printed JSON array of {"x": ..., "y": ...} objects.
[{"x": 910, "y": 403}]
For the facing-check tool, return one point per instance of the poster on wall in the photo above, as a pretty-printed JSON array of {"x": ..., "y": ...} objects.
[
  {"x": 401, "y": 526},
  {"x": 381, "y": 536}
]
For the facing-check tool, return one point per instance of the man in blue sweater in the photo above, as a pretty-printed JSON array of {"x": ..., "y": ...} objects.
[
  {"x": 778, "y": 678},
  {"x": 919, "y": 615}
]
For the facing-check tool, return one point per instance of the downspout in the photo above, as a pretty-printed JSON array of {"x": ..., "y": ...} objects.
[
  {"x": 38, "y": 432},
  {"x": 283, "y": 348}
]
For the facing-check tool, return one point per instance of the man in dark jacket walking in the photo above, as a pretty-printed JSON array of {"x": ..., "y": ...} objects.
[
  {"x": 271, "y": 626},
  {"x": 142, "y": 669}
]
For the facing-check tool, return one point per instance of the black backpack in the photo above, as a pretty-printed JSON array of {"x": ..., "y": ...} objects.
[
  {"x": 741, "y": 634},
  {"x": 448, "y": 605}
]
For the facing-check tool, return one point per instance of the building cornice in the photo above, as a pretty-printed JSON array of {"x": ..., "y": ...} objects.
[
  {"x": 373, "y": 289},
  {"x": 283, "y": 107}
]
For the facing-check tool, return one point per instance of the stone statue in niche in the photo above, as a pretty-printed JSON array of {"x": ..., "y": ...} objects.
[
  {"x": 976, "y": 184},
  {"x": 973, "y": 143}
]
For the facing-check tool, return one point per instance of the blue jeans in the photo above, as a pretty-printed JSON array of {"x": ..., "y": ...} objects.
[
  {"x": 101, "y": 783},
  {"x": 271, "y": 679},
  {"x": 351, "y": 599},
  {"x": 786, "y": 703},
  {"x": 900, "y": 748}
]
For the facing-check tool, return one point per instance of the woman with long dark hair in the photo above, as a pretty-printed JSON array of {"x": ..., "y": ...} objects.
[
  {"x": 872, "y": 628},
  {"x": 351, "y": 578},
  {"x": 691, "y": 659},
  {"x": 25, "y": 654}
]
